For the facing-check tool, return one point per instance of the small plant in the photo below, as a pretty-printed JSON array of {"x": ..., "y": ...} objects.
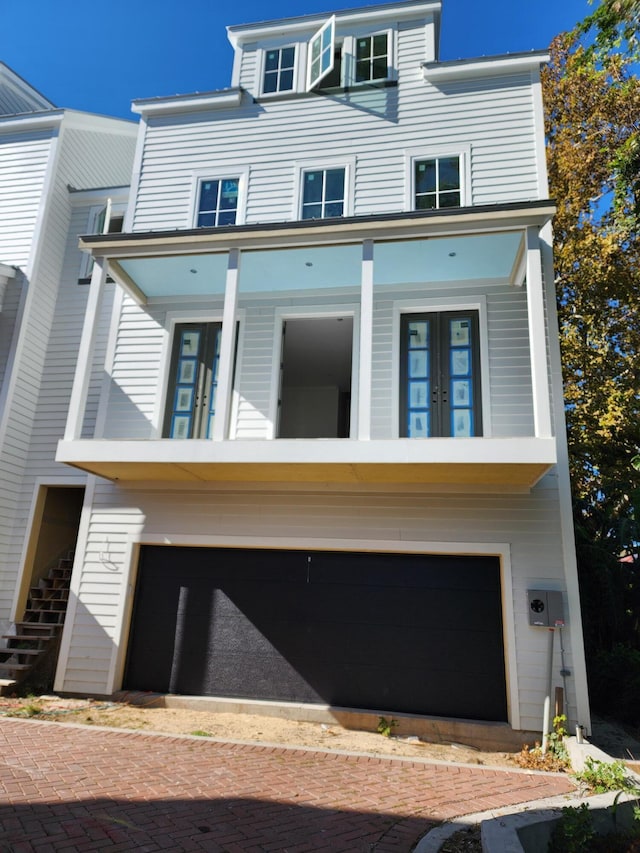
[
  {"x": 556, "y": 757},
  {"x": 598, "y": 777},
  {"x": 32, "y": 709},
  {"x": 385, "y": 727},
  {"x": 574, "y": 831},
  {"x": 200, "y": 733}
]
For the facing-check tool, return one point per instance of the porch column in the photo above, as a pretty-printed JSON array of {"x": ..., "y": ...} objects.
[
  {"x": 227, "y": 348},
  {"x": 537, "y": 339},
  {"x": 80, "y": 389},
  {"x": 366, "y": 343}
]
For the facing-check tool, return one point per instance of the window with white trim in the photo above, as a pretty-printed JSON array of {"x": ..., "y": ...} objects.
[
  {"x": 320, "y": 55},
  {"x": 372, "y": 57},
  {"x": 103, "y": 219},
  {"x": 323, "y": 193},
  {"x": 279, "y": 70},
  {"x": 437, "y": 183},
  {"x": 217, "y": 202}
]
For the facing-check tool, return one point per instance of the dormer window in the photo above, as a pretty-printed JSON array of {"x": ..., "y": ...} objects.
[
  {"x": 320, "y": 58},
  {"x": 372, "y": 58},
  {"x": 279, "y": 66}
]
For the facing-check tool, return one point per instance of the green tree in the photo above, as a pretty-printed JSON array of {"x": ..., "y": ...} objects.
[{"x": 592, "y": 101}]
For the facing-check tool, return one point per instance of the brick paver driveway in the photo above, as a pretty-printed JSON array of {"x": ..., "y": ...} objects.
[{"x": 72, "y": 788}]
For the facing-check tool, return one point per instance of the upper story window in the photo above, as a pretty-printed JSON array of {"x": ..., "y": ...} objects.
[
  {"x": 279, "y": 67},
  {"x": 320, "y": 57},
  {"x": 103, "y": 219},
  {"x": 437, "y": 183},
  {"x": 323, "y": 193},
  {"x": 218, "y": 202},
  {"x": 372, "y": 57}
]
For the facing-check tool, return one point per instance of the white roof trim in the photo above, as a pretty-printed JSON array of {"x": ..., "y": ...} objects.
[
  {"x": 7, "y": 271},
  {"x": 223, "y": 99},
  {"x": 243, "y": 33},
  {"x": 30, "y": 121},
  {"x": 485, "y": 66}
]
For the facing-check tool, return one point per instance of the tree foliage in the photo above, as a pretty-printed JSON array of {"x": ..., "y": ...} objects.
[{"x": 592, "y": 100}]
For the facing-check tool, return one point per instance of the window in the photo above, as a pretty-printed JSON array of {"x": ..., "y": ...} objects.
[
  {"x": 372, "y": 58},
  {"x": 193, "y": 381},
  {"x": 440, "y": 393},
  {"x": 437, "y": 183},
  {"x": 279, "y": 67},
  {"x": 218, "y": 202},
  {"x": 103, "y": 219},
  {"x": 320, "y": 56},
  {"x": 323, "y": 193}
]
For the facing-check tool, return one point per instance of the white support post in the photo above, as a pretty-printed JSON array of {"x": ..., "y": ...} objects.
[
  {"x": 366, "y": 343},
  {"x": 80, "y": 389},
  {"x": 537, "y": 338},
  {"x": 227, "y": 348}
]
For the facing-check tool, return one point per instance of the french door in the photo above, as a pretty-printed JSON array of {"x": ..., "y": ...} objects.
[{"x": 440, "y": 375}]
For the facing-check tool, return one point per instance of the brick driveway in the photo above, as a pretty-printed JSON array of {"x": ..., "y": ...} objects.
[{"x": 73, "y": 788}]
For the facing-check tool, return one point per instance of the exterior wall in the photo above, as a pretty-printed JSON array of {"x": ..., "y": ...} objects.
[
  {"x": 528, "y": 524},
  {"x": 36, "y": 395},
  {"x": 138, "y": 377},
  {"x": 23, "y": 165},
  {"x": 494, "y": 116}
]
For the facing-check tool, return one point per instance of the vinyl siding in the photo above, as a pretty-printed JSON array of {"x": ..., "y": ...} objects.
[
  {"x": 23, "y": 163},
  {"x": 528, "y": 523},
  {"x": 494, "y": 116},
  {"x": 137, "y": 370},
  {"x": 43, "y": 371}
]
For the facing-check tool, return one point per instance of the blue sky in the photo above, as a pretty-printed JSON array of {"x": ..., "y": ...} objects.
[{"x": 100, "y": 56}]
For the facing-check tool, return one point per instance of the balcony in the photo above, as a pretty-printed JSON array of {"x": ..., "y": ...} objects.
[{"x": 414, "y": 354}]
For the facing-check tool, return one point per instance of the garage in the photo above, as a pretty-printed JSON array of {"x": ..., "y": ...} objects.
[{"x": 420, "y": 634}]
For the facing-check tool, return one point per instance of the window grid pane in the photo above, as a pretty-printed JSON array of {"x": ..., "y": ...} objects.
[
  {"x": 323, "y": 193},
  {"x": 437, "y": 183},
  {"x": 278, "y": 70},
  {"x": 371, "y": 58},
  {"x": 218, "y": 202}
]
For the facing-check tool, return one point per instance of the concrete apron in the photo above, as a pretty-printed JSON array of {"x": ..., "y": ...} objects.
[{"x": 490, "y": 737}]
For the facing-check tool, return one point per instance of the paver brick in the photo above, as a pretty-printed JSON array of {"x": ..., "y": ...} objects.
[{"x": 77, "y": 789}]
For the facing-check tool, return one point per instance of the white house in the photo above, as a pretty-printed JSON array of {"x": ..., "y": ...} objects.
[
  {"x": 49, "y": 160},
  {"x": 328, "y": 465}
]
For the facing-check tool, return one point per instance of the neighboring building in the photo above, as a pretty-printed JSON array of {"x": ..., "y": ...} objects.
[
  {"x": 328, "y": 461},
  {"x": 48, "y": 156}
]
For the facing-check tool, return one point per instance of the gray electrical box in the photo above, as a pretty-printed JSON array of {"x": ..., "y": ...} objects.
[{"x": 545, "y": 608}]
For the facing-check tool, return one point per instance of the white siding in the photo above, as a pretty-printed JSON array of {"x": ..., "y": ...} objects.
[
  {"x": 42, "y": 376},
  {"x": 528, "y": 523},
  {"x": 495, "y": 116},
  {"x": 137, "y": 370},
  {"x": 23, "y": 162}
]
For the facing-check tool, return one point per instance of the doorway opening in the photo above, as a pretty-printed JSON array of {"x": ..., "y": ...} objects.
[{"x": 315, "y": 378}]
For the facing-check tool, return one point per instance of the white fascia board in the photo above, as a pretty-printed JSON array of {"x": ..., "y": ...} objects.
[
  {"x": 99, "y": 195},
  {"x": 32, "y": 121},
  {"x": 104, "y": 124},
  {"x": 220, "y": 100},
  {"x": 244, "y": 33},
  {"x": 491, "y": 451},
  {"x": 335, "y": 231},
  {"x": 7, "y": 271},
  {"x": 485, "y": 66}
]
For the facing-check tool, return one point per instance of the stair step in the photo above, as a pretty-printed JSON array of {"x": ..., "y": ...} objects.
[
  {"x": 26, "y": 638},
  {"x": 14, "y": 667},
  {"x": 18, "y": 652},
  {"x": 43, "y": 631}
]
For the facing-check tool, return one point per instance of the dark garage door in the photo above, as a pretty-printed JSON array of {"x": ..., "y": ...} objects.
[{"x": 414, "y": 633}]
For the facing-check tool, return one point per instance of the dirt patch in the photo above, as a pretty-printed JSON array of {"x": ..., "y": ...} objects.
[{"x": 243, "y": 727}]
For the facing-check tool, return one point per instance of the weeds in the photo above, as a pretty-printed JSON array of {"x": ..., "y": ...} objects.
[
  {"x": 385, "y": 727},
  {"x": 555, "y": 758},
  {"x": 598, "y": 777}
]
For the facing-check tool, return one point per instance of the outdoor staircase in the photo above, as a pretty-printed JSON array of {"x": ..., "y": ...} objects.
[{"x": 41, "y": 626}]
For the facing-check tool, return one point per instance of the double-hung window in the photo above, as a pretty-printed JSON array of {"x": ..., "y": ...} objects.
[
  {"x": 193, "y": 381},
  {"x": 372, "y": 58},
  {"x": 217, "y": 202},
  {"x": 323, "y": 193},
  {"x": 437, "y": 183},
  {"x": 440, "y": 391},
  {"x": 279, "y": 68}
]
